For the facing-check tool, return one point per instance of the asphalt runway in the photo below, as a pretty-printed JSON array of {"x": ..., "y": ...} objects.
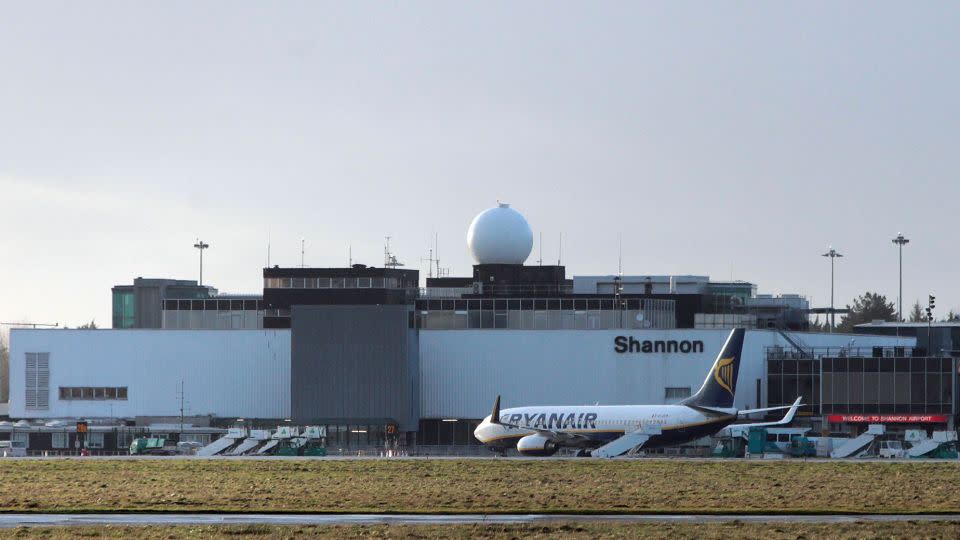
[{"x": 63, "y": 520}]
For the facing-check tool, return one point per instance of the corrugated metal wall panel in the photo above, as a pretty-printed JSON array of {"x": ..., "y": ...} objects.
[
  {"x": 462, "y": 371},
  {"x": 354, "y": 362},
  {"x": 237, "y": 373}
]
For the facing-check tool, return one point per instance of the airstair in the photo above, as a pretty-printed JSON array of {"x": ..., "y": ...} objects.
[
  {"x": 233, "y": 436},
  {"x": 858, "y": 446},
  {"x": 626, "y": 443},
  {"x": 265, "y": 449},
  {"x": 282, "y": 434},
  {"x": 930, "y": 447},
  {"x": 256, "y": 438},
  {"x": 922, "y": 448}
]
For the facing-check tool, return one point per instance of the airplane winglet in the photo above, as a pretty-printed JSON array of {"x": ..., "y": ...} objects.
[{"x": 495, "y": 414}]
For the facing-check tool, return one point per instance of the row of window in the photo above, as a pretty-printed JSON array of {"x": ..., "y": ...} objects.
[
  {"x": 213, "y": 305},
  {"x": 542, "y": 320},
  {"x": 336, "y": 283},
  {"x": 551, "y": 304},
  {"x": 92, "y": 393},
  {"x": 858, "y": 364}
]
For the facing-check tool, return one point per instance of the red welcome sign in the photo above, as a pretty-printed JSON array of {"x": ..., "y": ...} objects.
[{"x": 888, "y": 418}]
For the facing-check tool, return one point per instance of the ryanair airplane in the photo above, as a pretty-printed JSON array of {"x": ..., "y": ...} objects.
[{"x": 613, "y": 430}]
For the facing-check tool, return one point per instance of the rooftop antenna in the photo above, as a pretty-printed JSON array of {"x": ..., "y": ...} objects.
[
  {"x": 349, "y": 255},
  {"x": 540, "y": 260},
  {"x": 429, "y": 260},
  {"x": 268, "y": 247},
  {"x": 389, "y": 259},
  {"x": 560, "y": 251},
  {"x": 441, "y": 272},
  {"x": 302, "y": 242}
]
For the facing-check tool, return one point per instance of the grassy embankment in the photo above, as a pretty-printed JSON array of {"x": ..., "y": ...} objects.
[
  {"x": 661, "y": 531},
  {"x": 477, "y": 486}
]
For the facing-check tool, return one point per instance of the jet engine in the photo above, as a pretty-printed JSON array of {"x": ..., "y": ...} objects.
[{"x": 537, "y": 445}]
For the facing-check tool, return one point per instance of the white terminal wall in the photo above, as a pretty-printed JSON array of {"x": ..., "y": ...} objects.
[
  {"x": 462, "y": 371},
  {"x": 231, "y": 373}
]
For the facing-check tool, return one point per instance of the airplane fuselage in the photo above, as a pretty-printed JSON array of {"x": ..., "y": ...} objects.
[{"x": 593, "y": 426}]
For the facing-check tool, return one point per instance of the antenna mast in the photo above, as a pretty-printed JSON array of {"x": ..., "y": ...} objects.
[
  {"x": 540, "y": 260},
  {"x": 430, "y": 260},
  {"x": 389, "y": 259},
  {"x": 560, "y": 251}
]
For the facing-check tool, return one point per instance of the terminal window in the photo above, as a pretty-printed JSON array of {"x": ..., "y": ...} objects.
[
  {"x": 93, "y": 393},
  {"x": 677, "y": 392}
]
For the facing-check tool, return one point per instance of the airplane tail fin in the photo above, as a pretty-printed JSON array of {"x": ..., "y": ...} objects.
[{"x": 720, "y": 385}]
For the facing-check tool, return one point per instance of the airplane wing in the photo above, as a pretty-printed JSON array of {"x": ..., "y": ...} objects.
[
  {"x": 765, "y": 409},
  {"x": 787, "y": 418}
]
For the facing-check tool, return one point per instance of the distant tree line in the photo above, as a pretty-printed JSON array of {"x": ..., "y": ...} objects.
[{"x": 872, "y": 306}]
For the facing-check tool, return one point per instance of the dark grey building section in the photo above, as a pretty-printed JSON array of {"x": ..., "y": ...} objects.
[
  {"x": 354, "y": 365},
  {"x": 141, "y": 305}
]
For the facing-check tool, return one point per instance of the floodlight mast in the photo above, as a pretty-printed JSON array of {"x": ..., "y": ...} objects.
[
  {"x": 900, "y": 241},
  {"x": 201, "y": 245},
  {"x": 833, "y": 254}
]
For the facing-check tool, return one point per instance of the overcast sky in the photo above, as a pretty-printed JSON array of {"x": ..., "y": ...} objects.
[{"x": 720, "y": 138}]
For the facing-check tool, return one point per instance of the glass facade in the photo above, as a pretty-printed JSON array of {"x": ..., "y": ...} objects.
[
  {"x": 877, "y": 384},
  {"x": 887, "y": 385},
  {"x": 544, "y": 313},
  {"x": 348, "y": 282},
  {"x": 788, "y": 378},
  {"x": 123, "y": 310}
]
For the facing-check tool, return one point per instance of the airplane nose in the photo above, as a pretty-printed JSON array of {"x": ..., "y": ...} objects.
[{"x": 478, "y": 433}]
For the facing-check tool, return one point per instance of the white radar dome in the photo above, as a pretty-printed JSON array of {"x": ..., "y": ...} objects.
[{"x": 500, "y": 235}]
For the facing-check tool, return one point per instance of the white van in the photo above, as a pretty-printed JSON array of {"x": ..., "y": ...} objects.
[{"x": 13, "y": 449}]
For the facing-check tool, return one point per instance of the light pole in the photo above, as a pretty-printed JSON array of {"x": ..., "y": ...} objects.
[
  {"x": 201, "y": 246},
  {"x": 833, "y": 254},
  {"x": 900, "y": 241}
]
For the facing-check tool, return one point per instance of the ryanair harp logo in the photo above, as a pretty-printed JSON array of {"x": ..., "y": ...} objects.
[{"x": 723, "y": 374}]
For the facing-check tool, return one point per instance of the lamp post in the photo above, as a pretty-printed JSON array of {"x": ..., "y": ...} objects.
[
  {"x": 833, "y": 254},
  {"x": 201, "y": 245},
  {"x": 900, "y": 241}
]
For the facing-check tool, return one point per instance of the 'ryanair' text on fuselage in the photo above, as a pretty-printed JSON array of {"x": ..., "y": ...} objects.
[
  {"x": 552, "y": 420},
  {"x": 623, "y": 344}
]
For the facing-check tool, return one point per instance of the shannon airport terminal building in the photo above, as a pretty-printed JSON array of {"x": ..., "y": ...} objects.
[{"x": 377, "y": 358}]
